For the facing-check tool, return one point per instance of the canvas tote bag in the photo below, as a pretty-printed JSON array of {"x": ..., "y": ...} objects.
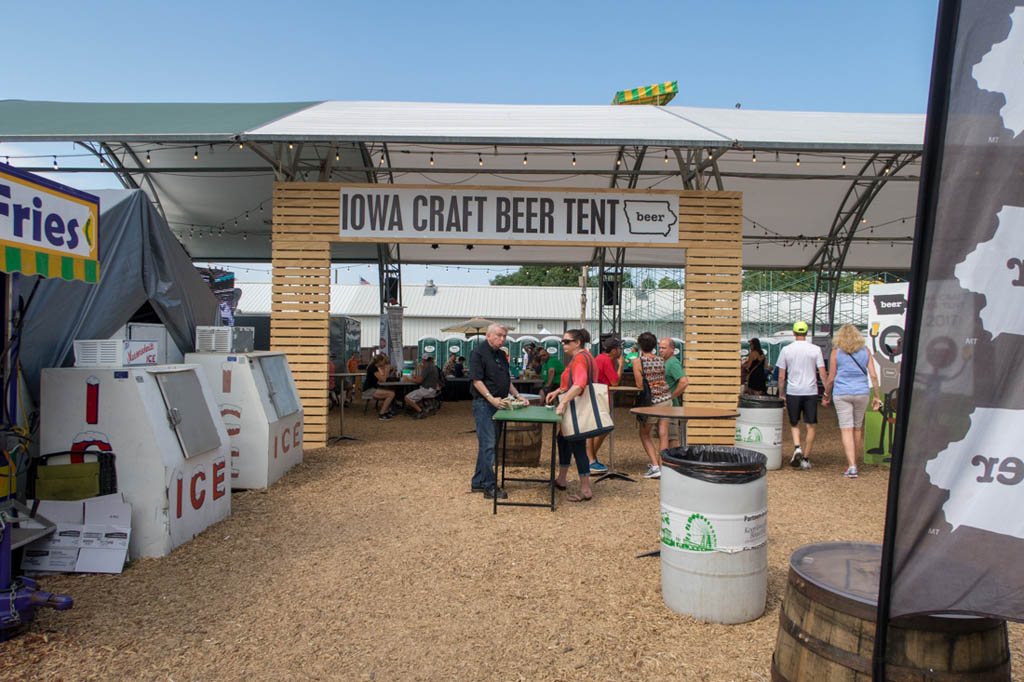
[{"x": 589, "y": 414}]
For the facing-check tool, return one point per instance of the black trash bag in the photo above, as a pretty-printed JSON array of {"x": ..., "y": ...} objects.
[
  {"x": 761, "y": 401},
  {"x": 716, "y": 463}
]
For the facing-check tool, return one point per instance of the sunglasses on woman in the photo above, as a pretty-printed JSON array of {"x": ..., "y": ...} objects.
[{"x": 565, "y": 341}]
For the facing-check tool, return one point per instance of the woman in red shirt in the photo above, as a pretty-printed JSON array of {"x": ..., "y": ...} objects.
[{"x": 574, "y": 380}]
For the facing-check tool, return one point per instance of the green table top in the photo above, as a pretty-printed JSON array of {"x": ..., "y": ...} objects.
[{"x": 533, "y": 413}]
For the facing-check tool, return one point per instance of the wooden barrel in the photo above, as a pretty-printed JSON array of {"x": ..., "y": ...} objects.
[
  {"x": 523, "y": 444},
  {"x": 827, "y": 627}
]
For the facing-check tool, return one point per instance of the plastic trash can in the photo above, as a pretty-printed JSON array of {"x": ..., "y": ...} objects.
[
  {"x": 714, "y": 538},
  {"x": 759, "y": 427}
]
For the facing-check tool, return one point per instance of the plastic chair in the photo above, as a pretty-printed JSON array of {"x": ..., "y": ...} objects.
[{"x": 72, "y": 480}]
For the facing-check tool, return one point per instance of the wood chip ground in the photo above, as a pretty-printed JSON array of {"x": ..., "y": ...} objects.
[{"x": 373, "y": 561}]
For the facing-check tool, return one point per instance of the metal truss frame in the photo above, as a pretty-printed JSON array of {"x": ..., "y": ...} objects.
[{"x": 828, "y": 260}]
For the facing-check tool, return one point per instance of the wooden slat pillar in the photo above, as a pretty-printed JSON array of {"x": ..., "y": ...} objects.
[
  {"x": 301, "y": 295},
  {"x": 710, "y": 223}
]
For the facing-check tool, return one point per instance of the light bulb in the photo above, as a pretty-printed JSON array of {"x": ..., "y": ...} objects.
[
  {"x": 574, "y": 158},
  {"x": 524, "y": 159},
  {"x": 195, "y": 153},
  {"x": 666, "y": 156},
  {"x": 753, "y": 159},
  {"x": 844, "y": 162},
  {"x": 382, "y": 158},
  {"x": 798, "y": 159},
  {"x": 241, "y": 145},
  {"x": 618, "y": 161},
  {"x": 479, "y": 160},
  {"x": 54, "y": 163},
  {"x": 245, "y": 235},
  {"x": 291, "y": 146},
  {"x": 431, "y": 158},
  {"x": 709, "y": 154},
  {"x": 337, "y": 156},
  {"x": 147, "y": 157}
]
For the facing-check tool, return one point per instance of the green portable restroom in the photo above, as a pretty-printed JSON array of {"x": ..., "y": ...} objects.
[
  {"x": 553, "y": 345},
  {"x": 430, "y": 345}
]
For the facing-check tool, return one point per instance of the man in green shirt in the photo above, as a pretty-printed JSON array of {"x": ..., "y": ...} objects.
[
  {"x": 550, "y": 373},
  {"x": 675, "y": 377}
]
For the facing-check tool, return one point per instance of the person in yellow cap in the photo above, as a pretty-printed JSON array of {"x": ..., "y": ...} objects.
[{"x": 798, "y": 387}]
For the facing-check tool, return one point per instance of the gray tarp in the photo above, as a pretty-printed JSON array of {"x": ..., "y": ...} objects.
[{"x": 140, "y": 261}]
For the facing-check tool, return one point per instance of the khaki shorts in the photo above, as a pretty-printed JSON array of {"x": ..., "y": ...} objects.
[
  {"x": 675, "y": 430},
  {"x": 850, "y": 410}
]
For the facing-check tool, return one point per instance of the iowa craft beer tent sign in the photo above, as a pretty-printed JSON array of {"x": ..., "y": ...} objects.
[
  {"x": 954, "y": 529},
  {"x": 47, "y": 228}
]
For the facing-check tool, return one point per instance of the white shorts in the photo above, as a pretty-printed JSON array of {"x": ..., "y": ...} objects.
[
  {"x": 850, "y": 410},
  {"x": 421, "y": 393}
]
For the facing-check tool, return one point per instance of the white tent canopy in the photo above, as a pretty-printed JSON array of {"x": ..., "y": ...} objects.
[{"x": 219, "y": 203}]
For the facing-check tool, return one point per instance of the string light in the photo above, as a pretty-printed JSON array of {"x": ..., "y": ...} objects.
[
  {"x": 666, "y": 156},
  {"x": 709, "y": 153},
  {"x": 54, "y": 163},
  {"x": 798, "y": 159},
  {"x": 241, "y": 145},
  {"x": 524, "y": 159},
  {"x": 291, "y": 146},
  {"x": 574, "y": 158},
  {"x": 382, "y": 158},
  {"x": 479, "y": 159},
  {"x": 337, "y": 155},
  {"x": 844, "y": 162},
  {"x": 103, "y": 161},
  {"x": 618, "y": 161},
  {"x": 753, "y": 158},
  {"x": 147, "y": 157},
  {"x": 431, "y": 158},
  {"x": 195, "y": 153},
  {"x": 245, "y": 235}
]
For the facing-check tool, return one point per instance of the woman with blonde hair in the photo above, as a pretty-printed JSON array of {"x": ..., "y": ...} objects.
[{"x": 850, "y": 368}]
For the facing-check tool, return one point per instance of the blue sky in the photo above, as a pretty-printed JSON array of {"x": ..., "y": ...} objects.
[{"x": 868, "y": 56}]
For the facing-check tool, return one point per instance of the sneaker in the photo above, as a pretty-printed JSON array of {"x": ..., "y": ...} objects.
[
  {"x": 598, "y": 468},
  {"x": 805, "y": 463},
  {"x": 384, "y": 417},
  {"x": 491, "y": 493},
  {"x": 798, "y": 455},
  {"x": 851, "y": 472},
  {"x": 653, "y": 471}
]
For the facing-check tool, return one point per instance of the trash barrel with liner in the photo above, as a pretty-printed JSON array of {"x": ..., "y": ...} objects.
[
  {"x": 713, "y": 532},
  {"x": 827, "y": 626},
  {"x": 759, "y": 427}
]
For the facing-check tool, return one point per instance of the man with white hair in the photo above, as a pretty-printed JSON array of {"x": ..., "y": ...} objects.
[{"x": 490, "y": 381}]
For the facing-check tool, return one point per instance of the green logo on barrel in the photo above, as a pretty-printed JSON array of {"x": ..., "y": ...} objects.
[
  {"x": 699, "y": 534},
  {"x": 754, "y": 435}
]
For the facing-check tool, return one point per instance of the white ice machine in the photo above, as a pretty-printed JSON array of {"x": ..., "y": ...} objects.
[
  {"x": 171, "y": 449},
  {"x": 259, "y": 403}
]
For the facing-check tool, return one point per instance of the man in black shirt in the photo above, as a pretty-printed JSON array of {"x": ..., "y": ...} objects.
[{"x": 490, "y": 382}]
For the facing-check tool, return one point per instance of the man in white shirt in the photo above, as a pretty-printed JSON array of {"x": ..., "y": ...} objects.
[{"x": 798, "y": 388}]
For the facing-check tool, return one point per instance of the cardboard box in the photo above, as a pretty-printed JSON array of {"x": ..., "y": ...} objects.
[
  {"x": 68, "y": 517},
  {"x": 49, "y": 559},
  {"x": 91, "y": 536}
]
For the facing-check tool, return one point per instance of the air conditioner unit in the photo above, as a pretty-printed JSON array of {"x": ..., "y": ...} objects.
[
  {"x": 99, "y": 353},
  {"x": 225, "y": 339}
]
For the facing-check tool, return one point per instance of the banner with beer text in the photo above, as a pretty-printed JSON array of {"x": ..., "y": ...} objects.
[
  {"x": 958, "y": 540},
  {"x": 47, "y": 228}
]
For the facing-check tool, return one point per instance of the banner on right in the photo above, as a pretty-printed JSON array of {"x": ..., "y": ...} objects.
[{"x": 958, "y": 544}]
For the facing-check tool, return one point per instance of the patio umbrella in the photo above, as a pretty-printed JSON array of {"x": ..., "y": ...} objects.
[{"x": 471, "y": 327}]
